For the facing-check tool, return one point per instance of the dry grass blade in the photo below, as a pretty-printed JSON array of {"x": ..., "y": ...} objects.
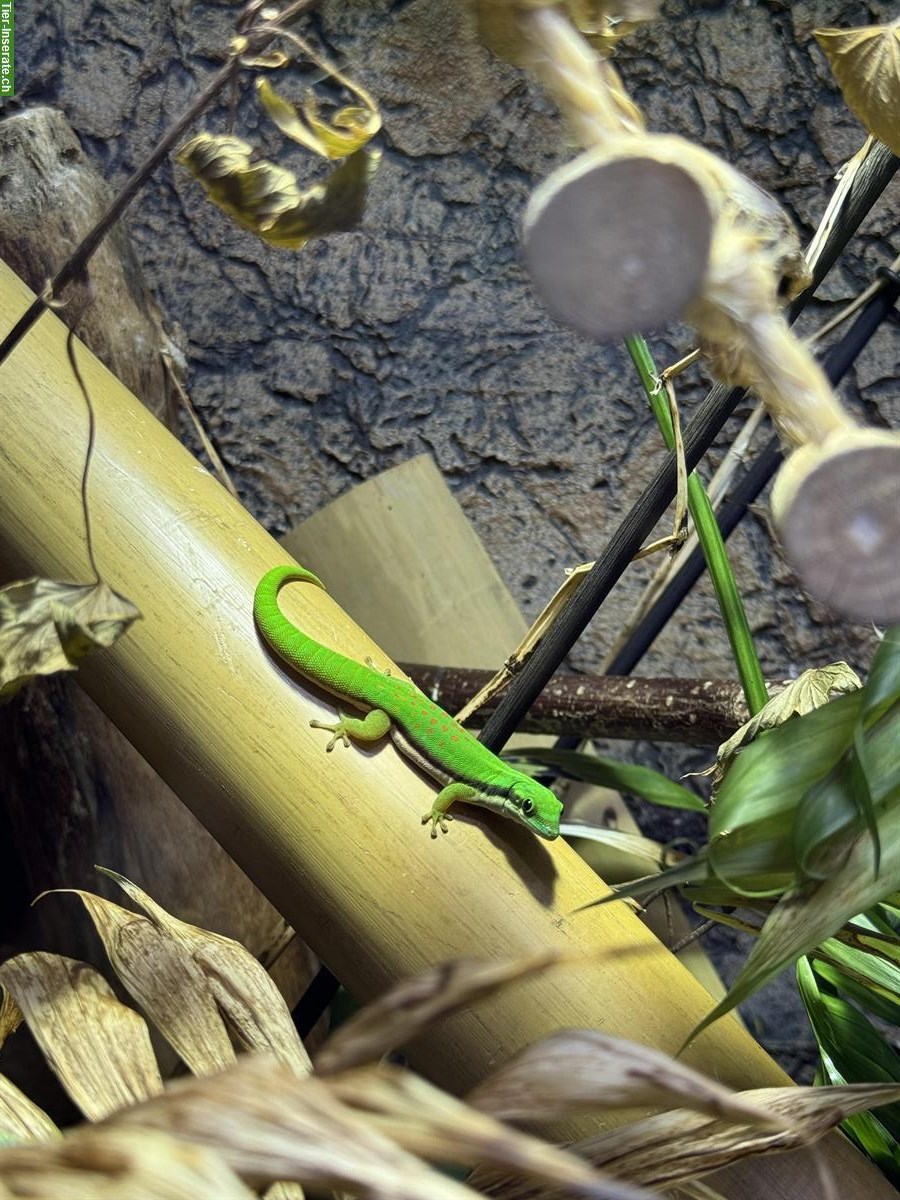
[
  {"x": 269, "y": 1125},
  {"x": 98, "y": 1048},
  {"x": 579, "y": 1069},
  {"x": 415, "y": 1004},
  {"x": 117, "y": 1164},
  {"x": 10, "y": 1016},
  {"x": 20, "y": 1119},
  {"x": 677, "y": 1147},
  {"x": 159, "y": 971},
  {"x": 240, "y": 986},
  {"x": 47, "y": 626},
  {"x": 436, "y": 1126}
]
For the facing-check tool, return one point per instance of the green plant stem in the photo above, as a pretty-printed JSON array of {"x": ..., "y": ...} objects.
[{"x": 710, "y": 538}]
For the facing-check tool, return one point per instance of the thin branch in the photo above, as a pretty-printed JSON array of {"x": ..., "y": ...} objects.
[{"x": 252, "y": 41}]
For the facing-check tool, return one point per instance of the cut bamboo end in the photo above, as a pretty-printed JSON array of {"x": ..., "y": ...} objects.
[
  {"x": 617, "y": 244},
  {"x": 837, "y": 510}
]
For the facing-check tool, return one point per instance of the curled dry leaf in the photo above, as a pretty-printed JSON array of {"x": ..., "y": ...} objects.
[
  {"x": 47, "y": 626},
  {"x": 675, "y": 1147},
  {"x": 402, "y": 1013},
  {"x": 10, "y": 1016},
  {"x": 579, "y": 1069},
  {"x": 20, "y": 1119},
  {"x": 266, "y": 199},
  {"x": 98, "y": 1048},
  {"x": 348, "y": 131},
  {"x": 159, "y": 972},
  {"x": 436, "y": 1126},
  {"x": 117, "y": 1164},
  {"x": 269, "y": 1125},
  {"x": 866, "y": 64},
  {"x": 809, "y": 691},
  {"x": 238, "y": 984}
]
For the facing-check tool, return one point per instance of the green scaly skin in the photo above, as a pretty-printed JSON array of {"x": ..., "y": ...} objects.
[{"x": 423, "y": 732}]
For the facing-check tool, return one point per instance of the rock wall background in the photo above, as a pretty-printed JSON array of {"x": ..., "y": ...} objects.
[{"x": 317, "y": 369}]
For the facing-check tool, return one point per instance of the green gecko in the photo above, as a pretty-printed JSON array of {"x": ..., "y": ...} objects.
[{"x": 466, "y": 770}]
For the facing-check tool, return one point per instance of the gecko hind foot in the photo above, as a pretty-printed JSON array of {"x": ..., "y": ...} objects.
[
  {"x": 338, "y": 733},
  {"x": 436, "y": 819}
]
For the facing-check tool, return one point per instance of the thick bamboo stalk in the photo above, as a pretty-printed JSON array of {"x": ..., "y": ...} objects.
[{"x": 335, "y": 840}]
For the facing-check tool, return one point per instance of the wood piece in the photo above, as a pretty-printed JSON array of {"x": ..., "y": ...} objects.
[
  {"x": 617, "y": 246},
  {"x": 334, "y": 840},
  {"x": 696, "y": 712},
  {"x": 422, "y": 584},
  {"x": 837, "y": 511},
  {"x": 50, "y": 196}
]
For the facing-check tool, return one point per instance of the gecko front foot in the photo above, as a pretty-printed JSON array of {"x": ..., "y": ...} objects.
[
  {"x": 338, "y": 731},
  {"x": 436, "y": 817}
]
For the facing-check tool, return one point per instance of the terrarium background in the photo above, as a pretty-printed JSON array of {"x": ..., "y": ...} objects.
[{"x": 315, "y": 370}]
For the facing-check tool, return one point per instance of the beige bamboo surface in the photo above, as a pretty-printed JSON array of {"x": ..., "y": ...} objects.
[{"x": 334, "y": 841}]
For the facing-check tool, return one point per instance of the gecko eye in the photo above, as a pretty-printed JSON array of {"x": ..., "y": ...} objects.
[{"x": 527, "y": 807}]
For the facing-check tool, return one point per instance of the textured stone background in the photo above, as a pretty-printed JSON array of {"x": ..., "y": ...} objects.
[{"x": 315, "y": 370}]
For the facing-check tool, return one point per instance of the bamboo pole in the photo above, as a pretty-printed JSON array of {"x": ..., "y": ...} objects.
[{"x": 334, "y": 841}]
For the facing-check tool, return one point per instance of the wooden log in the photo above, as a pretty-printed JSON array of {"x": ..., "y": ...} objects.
[{"x": 333, "y": 840}]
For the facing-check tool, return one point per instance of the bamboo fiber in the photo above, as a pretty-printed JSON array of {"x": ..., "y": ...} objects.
[{"x": 333, "y": 840}]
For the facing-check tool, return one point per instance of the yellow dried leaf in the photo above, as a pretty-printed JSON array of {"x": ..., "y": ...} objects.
[
  {"x": 118, "y": 1164},
  {"x": 98, "y": 1048},
  {"x": 410, "y": 1007},
  {"x": 159, "y": 971},
  {"x": 348, "y": 131},
  {"x": 10, "y": 1016},
  {"x": 269, "y": 1125},
  {"x": 47, "y": 626},
  {"x": 578, "y": 1069},
  {"x": 266, "y": 199},
  {"x": 866, "y": 64},
  {"x": 20, "y": 1118},
  {"x": 809, "y": 691},
  {"x": 675, "y": 1147},
  {"x": 434, "y": 1125},
  {"x": 240, "y": 986}
]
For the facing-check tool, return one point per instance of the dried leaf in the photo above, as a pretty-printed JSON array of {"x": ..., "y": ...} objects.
[
  {"x": 866, "y": 64},
  {"x": 436, "y": 1126},
  {"x": 98, "y": 1048},
  {"x": 675, "y": 1147},
  {"x": 266, "y": 199},
  {"x": 269, "y": 1125},
  {"x": 10, "y": 1016},
  {"x": 159, "y": 971},
  {"x": 117, "y": 1164},
  {"x": 20, "y": 1119},
  {"x": 807, "y": 692},
  {"x": 47, "y": 626},
  {"x": 577, "y": 1069},
  {"x": 410, "y": 1007},
  {"x": 241, "y": 987},
  {"x": 349, "y": 130}
]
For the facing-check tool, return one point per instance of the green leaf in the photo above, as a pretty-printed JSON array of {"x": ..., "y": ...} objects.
[
  {"x": 882, "y": 689},
  {"x": 828, "y": 816},
  {"x": 829, "y": 1024},
  {"x": 610, "y": 772},
  {"x": 805, "y": 916},
  {"x": 751, "y": 844},
  {"x": 864, "y": 977}
]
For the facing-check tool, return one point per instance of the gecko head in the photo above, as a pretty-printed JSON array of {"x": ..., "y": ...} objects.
[{"x": 534, "y": 805}]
